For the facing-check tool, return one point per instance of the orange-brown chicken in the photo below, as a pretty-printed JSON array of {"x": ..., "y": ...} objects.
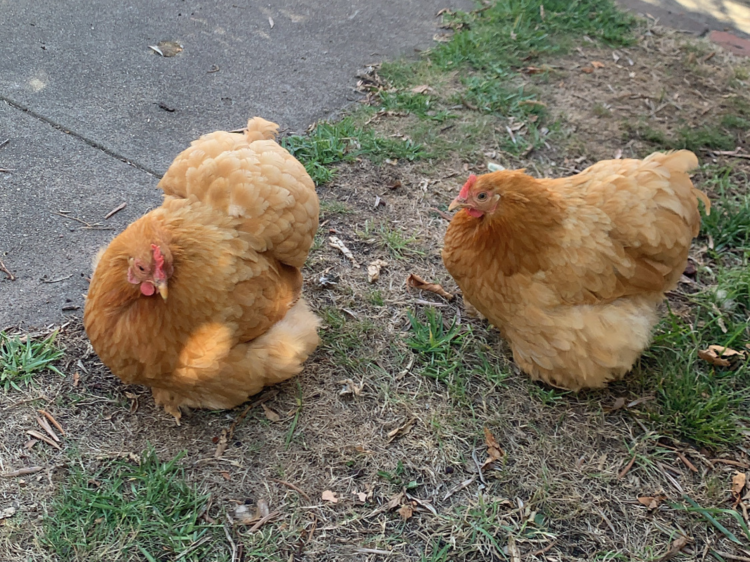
[
  {"x": 571, "y": 270},
  {"x": 200, "y": 299}
]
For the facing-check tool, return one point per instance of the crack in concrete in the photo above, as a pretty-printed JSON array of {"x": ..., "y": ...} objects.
[{"x": 88, "y": 141}]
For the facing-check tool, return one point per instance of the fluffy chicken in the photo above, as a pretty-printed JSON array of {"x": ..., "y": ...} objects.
[
  {"x": 200, "y": 299},
  {"x": 571, "y": 270}
]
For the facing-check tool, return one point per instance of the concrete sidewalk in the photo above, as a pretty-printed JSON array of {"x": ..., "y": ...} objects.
[{"x": 93, "y": 115}]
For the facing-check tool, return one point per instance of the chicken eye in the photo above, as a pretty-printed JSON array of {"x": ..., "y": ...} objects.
[
  {"x": 141, "y": 269},
  {"x": 482, "y": 196}
]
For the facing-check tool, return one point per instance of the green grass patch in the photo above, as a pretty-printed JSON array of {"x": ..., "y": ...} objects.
[
  {"x": 450, "y": 353},
  {"x": 20, "y": 360},
  {"x": 343, "y": 141},
  {"x": 709, "y": 136},
  {"x": 127, "y": 511}
]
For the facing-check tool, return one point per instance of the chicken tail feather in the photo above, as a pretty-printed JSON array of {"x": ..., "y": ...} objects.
[{"x": 260, "y": 129}]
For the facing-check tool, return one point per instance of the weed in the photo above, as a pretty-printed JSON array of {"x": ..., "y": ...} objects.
[
  {"x": 728, "y": 224},
  {"x": 331, "y": 143},
  {"x": 19, "y": 360},
  {"x": 398, "y": 244},
  {"x": 685, "y": 137},
  {"x": 126, "y": 511},
  {"x": 334, "y": 208}
]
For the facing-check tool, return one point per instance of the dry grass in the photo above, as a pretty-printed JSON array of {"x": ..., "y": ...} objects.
[{"x": 568, "y": 485}]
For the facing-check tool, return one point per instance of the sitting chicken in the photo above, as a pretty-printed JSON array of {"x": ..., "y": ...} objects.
[
  {"x": 571, "y": 270},
  {"x": 200, "y": 298}
]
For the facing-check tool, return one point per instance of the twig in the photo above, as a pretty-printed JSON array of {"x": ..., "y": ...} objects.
[
  {"x": 5, "y": 270},
  {"x": 545, "y": 549},
  {"x": 231, "y": 542},
  {"x": 627, "y": 468},
  {"x": 88, "y": 226},
  {"x": 22, "y": 472},
  {"x": 443, "y": 214},
  {"x": 373, "y": 551},
  {"x": 6, "y": 141},
  {"x": 670, "y": 478},
  {"x": 730, "y": 556},
  {"x": 56, "y": 280},
  {"x": 684, "y": 459},
  {"x": 460, "y": 487},
  {"x": 292, "y": 486},
  {"x": 263, "y": 521},
  {"x": 479, "y": 466},
  {"x": 732, "y": 154},
  {"x": 6, "y": 170},
  {"x": 731, "y": 462},
  {"x": 117, "y": 209}
]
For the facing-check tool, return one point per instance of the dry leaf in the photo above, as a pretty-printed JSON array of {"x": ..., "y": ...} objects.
[
  {"x": 677, "y": 545},
  {"x": 720, "y": 356},
  {"x": 513, "y": 551},
  {"x": 329, "y": 496},
  {"x": 652, "y": 502},
  {"x": 395, "y": 501},
  {"x": 406, "y": 511},
  {"x": 222, "y": 445},
  {"x": 587, "y": 69},
  {"x": 225, "y": 475},
  {"x": 270, "y": 414},
  {"x": 373, "y": 270},
  {"x": 166, "y": 48},
  {"x": 335, "y": 242},
  {"x": 7, "y": 512},
  {"x": 424, "y": 88},
  {"x": 416, "y": 282},
  {"x": 361, "y": 496},
  {"x": 401, "y": 430},
  {"x": 494, "y": 450},
  {"x": 350, "y": 387},
  {"x": 597, "y": 64},
  {"x": 739, "y": 480},
  {"x": 76, "y": 379}
]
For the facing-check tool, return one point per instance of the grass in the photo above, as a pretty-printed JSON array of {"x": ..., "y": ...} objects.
[
  {"x": 343, "y": 141},
  {"x": 125, "y": 511},
  {"x": 20, "y": 360}
]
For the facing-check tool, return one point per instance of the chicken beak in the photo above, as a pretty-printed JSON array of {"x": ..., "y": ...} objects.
[
  {"x": 162, "y": 288},
  {"x": 458, "y": 203}
]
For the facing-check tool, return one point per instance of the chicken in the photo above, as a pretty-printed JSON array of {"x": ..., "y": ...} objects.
[
  {"x": 571, "y": 270},
  {"x": 200, "y": 299}
]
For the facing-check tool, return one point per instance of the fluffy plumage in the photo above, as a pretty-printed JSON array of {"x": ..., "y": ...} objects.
[
  {"x": 571, "y": 270},
  {"x": 224, "y": 251}
]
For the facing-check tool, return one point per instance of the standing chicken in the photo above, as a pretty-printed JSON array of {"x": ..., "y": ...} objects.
[
  {"x": 571, "y": 270},
  {"x": 200, "y": 298}
]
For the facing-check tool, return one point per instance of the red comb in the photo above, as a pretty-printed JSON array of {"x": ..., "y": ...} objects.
[
  {"x": 464, "y": 193},
  {"x": 159, "y": 260}
]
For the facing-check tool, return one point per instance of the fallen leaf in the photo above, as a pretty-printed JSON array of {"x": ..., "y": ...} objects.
[
  {"x": 652, "y": 502},
  {"x": 350, "y": 387},
  {"x": 225, "y": 475},
  {"x": 720, "y": 356},
  {"x": 534, "y": 70},
  {"x": 329, "y": 496},
  {"x": 587, "y": 69},
  {"x": 597, "y": 64},
  {"x": 619, "y": 404},
  {"x": 494, "y": 450},
  {"x": 406, "y": 511},
  {"x": 166, "y": 48},
  {"x": 401, "y": 430},
  {"x": 395, "y": 501},
  {"x": 222, "y": 445},
  {"x": 416, "y": 282},
  {"x": 424, "y": 88},
  {"x": 7, "y": 512},
  {"x": 270, "y": 414},
  {"x": 739, "y": 480},
  {"x": 373, "y": 270},
  {"x": 361, "y": 496},
  {"x": 335, "y": 242},
  {"x": 395, "y": 185},
  {"x": 513, "y": 551},
  {"x": 76, "y": 379},
  {"x": 677, "y": 545}
]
